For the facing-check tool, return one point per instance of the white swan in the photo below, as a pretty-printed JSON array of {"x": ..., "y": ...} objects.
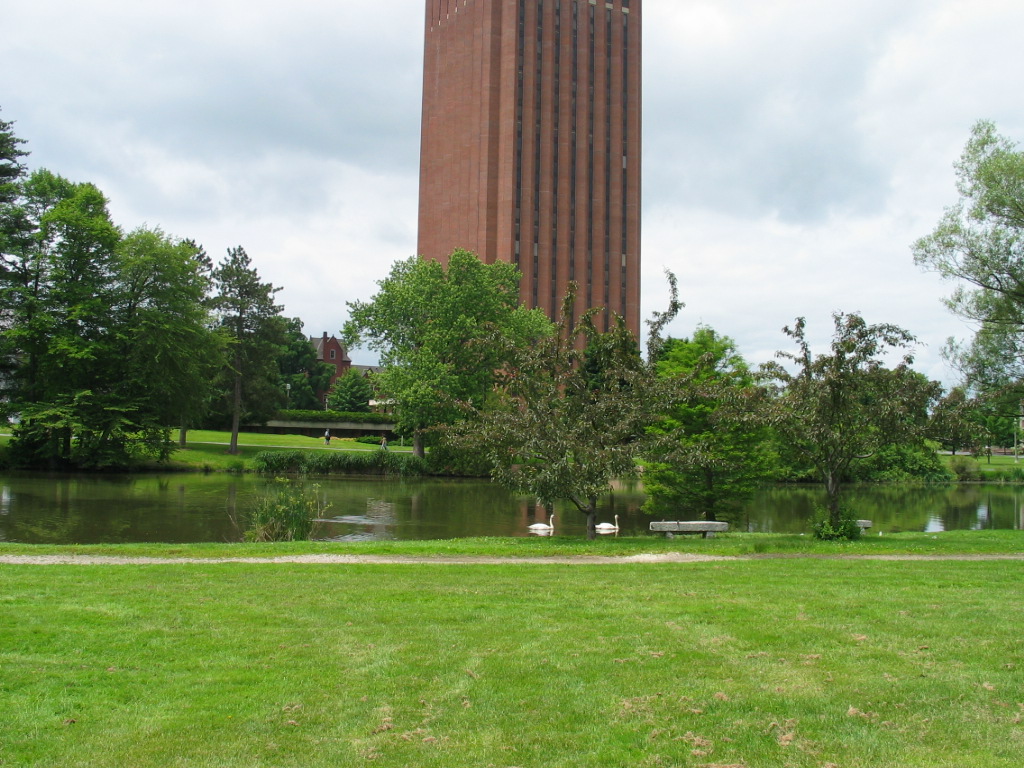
[
  {"x": 543, "y": 527},
  {"x": 608, "y": 527}
]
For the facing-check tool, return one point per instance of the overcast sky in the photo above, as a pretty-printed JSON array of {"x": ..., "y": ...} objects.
[{"x": 793, "y": 149}]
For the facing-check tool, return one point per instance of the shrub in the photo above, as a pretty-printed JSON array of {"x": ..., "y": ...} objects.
[
  {"x": 286, "y": 513},
  {"x": 965, "y": 468},
  {"x": 845, "y": 530}
]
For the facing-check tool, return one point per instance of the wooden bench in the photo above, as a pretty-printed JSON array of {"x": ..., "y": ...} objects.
[
  {"x": 864, "y": 525},
  {"x": 705, "y": 528}
]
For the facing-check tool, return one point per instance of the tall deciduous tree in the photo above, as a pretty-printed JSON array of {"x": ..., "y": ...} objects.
[
  {"x": 110, "y": 335},
  {"x": 835, "y": 408},
  {"x": 256, "y": 333},
  {"x": 60, "y": 290},
  {"x": 441, "y": 332},
  {"x": 979, "y": 244},
  {"x": 709, "y": 452},
  {"x": 171, "y": 350},
  {"x": 560, "y": 430}
]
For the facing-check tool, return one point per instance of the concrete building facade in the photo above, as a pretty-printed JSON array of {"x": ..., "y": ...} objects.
[{"x": 530, "y": 146}]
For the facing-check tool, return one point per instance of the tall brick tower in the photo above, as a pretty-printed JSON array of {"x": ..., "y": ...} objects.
[{"x": 530, "y": 146}]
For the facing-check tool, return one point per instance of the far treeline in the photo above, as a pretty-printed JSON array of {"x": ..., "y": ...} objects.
[{"x": 110, "y": 340}]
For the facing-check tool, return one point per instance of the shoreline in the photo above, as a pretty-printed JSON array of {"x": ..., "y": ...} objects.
[{"x": 326, "y": 559}]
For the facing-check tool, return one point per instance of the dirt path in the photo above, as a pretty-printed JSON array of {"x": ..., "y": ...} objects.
[{"x": 674, "y": 557}]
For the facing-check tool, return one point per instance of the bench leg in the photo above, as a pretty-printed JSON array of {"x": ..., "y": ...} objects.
[{"x": 708, "y": 535}]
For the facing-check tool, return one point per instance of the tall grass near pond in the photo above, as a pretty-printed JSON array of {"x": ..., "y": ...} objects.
[
  {"x": 286, "y": 512},
  {"x": 330, "y": 463},
  {"x": 800, "y": 663}
]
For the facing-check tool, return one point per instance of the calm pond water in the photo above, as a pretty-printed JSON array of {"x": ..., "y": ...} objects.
[{"x": 197, "y": 508}]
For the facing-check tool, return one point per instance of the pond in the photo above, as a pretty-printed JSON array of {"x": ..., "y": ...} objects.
[{"x": 182, "y": 508}]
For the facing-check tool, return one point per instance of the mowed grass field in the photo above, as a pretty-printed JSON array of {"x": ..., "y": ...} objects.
[
  {"x": 207, "y": 449},
  {"x": 747, "y": 662}
]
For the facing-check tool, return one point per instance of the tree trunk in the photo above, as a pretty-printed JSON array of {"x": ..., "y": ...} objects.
[
  {"x": 236, "y": 415},
  {"x": 832, "y": 488},
  {"x": 709, "y": 487},
  {"x": 417, "y": 445},
  {"x": 182, "y": 433},
  {"x": 592, "y": 518}
]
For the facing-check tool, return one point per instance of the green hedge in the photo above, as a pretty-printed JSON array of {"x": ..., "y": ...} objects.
[
  {"x": 329, "y": 416},
  {"x": 339, "y": 463}
]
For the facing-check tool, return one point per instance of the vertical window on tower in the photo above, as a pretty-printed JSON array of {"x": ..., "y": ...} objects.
[
  {"x": 518, "y": 160},
  {"x": 556, "y": 116},
  {"x": 573, "y": 155},
  {"x": 591, "y": 69},
  {"x": 607, "y": 163},
  {"x": 625, "y": 153},
  {"x": 537, "y": 143}
]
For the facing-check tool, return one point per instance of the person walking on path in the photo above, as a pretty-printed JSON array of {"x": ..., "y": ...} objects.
[
  {"x": 384, "y": 442},
  {"x": 327, "y": 437}
]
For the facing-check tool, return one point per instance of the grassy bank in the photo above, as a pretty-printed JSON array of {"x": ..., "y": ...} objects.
[
  {"x": 207, "y": 449},
  {"x": 801, "y": 663},
  {"x": 996, "y": 468},
  {"x": 948, "y": 544}
]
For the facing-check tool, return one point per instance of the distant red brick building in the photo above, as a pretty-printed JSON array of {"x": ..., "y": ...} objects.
[{"x": 331, "y": 351}]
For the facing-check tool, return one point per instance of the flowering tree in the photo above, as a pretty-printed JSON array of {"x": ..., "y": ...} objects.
[
  {"x": 562, "y": 429},
  {"x": 846, "y": 405}
]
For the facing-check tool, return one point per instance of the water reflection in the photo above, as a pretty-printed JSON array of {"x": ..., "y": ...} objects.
[{"x": 194, "y": 508}]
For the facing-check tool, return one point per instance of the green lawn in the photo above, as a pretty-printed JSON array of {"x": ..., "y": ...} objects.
[
  {"x": 999, "y": 464},
  {"x": 997, "y": 467},
  {"x": 205, "y": 436},
  {"x": 207, "y": 449},
  {"x": 949, "y": 543},
  {"x": 803, "y": 663}
]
